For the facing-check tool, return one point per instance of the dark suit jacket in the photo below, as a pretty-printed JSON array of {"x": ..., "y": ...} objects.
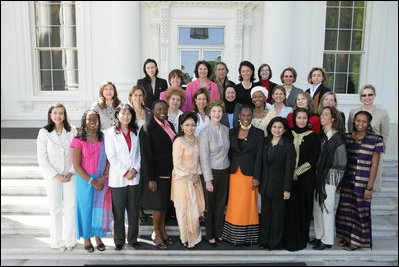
[
  {"x": 322, "y": 89},
  {"x": 291, "y": 98},
  {"x": 225, "y": 118},
  {"x": 160, "y": 86},
  {"x": 278, "y": 168},
  {"x": 156, "y": 151},
  {"x": 250, "y": 157}
]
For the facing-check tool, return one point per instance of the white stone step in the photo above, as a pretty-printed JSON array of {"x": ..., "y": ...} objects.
[
  {"x": 19, "y": 172},
  {"x": 37, "y": 250}
]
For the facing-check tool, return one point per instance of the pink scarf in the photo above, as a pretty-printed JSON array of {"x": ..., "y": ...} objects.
[{"x": 166, "y": 127}]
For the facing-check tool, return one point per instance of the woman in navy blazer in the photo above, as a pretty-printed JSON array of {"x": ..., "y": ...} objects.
[
  {"x": 151, "y": 83},
  {"x": 278, "y": 169}
]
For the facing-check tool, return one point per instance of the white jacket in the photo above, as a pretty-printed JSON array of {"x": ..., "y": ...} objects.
[
  {"x": 120, "y": 159},
  {"x": 54, "y": 153}
]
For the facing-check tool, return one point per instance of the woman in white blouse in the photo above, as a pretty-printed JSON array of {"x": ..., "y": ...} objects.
[
  {"x": 123, "y": 153},
  {"x": 176, "y": 98},
  {"x": 54, "y": 157},
  {"x": 200, "y": 102}
]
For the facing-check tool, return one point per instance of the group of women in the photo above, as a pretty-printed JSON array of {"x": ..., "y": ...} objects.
[{"x": 253, "y": 147}]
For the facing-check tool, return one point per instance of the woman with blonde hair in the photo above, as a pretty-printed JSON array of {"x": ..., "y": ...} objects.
[{"x": 379, "y": 124}]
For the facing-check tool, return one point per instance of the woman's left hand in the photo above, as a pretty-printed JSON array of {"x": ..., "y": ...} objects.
[
  {"x": 368, "y": 195},
  {"x": 255, "y": 184}
]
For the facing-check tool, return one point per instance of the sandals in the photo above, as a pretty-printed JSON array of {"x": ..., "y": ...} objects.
[
  {"x": 351, "y": 248},
  {"x": 89, "y": 248},
  {"x": 343, "y": 243},
  {"x": 169, "y": 241},
  {"x": 101, "y": 246},
  {"x": 161, "y": 245}
]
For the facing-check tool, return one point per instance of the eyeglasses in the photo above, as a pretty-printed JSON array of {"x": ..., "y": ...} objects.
[
  {"x": 369, "y": 95},
  {"x": 264, "y": 71},
  {"x": 288, "y": 76}
]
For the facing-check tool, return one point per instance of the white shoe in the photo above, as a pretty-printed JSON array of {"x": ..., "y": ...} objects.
[
  {"x": 62, "y": 249},
  {"x": 71, "y": 248}
]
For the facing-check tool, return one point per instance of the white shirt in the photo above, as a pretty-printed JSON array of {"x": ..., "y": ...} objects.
[
  {"x": 201, "y": 124},
  {"x": 175, "y": 121},
  {"x": 313, "y": 89},
  {"x": 120, "y": 159}
]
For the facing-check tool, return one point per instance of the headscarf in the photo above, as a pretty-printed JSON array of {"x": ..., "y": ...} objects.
[
  {"x": 230, "y": 106},
  {"x": 259, "y": 88},
  {"x": 299, "y": 134}
]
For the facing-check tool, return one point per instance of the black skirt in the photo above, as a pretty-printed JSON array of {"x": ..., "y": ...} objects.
[{"x": 158, "y": 200}]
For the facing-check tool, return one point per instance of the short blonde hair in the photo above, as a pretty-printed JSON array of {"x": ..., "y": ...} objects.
[
  {"x": 323, "y": 72},
  {"x": 367, "y": 86},
  {"x": 320, "y": 107},
  {"x": 176, "y": 91},
  {"x": 215, "y": 103}
]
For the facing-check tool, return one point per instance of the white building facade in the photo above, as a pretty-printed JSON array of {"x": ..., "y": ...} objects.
[{"x": 111, "y": 40}]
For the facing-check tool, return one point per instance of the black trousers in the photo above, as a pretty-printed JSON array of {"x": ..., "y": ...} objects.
[
  {"x": 272, "y": 221},
  {"x": 215, "y": 203},
  {"x": 125, "y": 198}
]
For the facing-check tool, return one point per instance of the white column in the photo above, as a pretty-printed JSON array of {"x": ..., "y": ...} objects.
[{"x": 116, "y": 39}]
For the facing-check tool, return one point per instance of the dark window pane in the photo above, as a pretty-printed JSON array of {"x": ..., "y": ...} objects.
[
  {"x": 45, "y": 80},
  {"x": 328, "y": 62},
  {"x": 57, "y": 59},
  {"x": 344, "y": 40},
  {"x": 332, "y": 18},
  {"x": 342, "y": 63},
  {"x": 359, "y": 3},
  {"x": 357, "y": 39},
  {"x": 340, "y": 83},
  {"x": 213, "y": 36},
  {"x": 345, "y": 20},
  {"x": 58, "y": 80},
  {"x": 353, "y": 83},
  {"x": 330, "y": 42},
  {"x": 188, "y": 61},
  {"x": 55, "y": 15},
  {"x": 330, "y": 80},
  {"x": 354, "y": 63},
  {"x": 42, "y": 37},
  {"x": 44, "y": 60},
  {"x": 332, "y": 3},
  {"x": 347, "y": 3},
  {"x": 358, "y": 18},
  {"x": 55, "y": 37}
]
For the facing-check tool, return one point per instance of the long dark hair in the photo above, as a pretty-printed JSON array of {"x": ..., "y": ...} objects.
[
  {"x": 132, "y": 125},
  {"x": 150, "y": 60},
  {"x": 287, "y": 133},
  {"x": 369, "y": 118},
  {"x": 82, "y": 133},
  {"x": 50, "y": 124},
  {"x": 101, "y": 100},
  {"x": 338, "y": 123}
]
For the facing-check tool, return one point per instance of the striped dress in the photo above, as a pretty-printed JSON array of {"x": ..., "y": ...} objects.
[{"x": 353, "y": 217}]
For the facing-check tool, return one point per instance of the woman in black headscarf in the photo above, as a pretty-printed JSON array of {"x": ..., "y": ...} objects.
[
  {"x": 230, "y": 118},
  {"x": 299, "y": 208}
]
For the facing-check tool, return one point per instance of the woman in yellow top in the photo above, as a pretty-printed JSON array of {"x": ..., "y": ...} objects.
[{"x": 262, "y": 112}]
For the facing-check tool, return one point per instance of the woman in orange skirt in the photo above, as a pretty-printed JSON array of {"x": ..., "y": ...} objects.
[{"x": 241, "y": 224}]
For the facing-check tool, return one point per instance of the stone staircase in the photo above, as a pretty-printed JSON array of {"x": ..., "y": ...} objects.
[{"x": 25, "y": 233}]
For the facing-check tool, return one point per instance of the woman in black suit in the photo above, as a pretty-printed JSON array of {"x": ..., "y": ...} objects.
[
  {"x": 156, "y": 138},
  {"x": 278, "y": 169},
  {"x": 241, "y": 224},
  {"x": 317, "y": 78},
  {"x": 151, "y": 83}
]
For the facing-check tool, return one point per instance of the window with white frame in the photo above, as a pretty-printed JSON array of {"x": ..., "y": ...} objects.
[
  {"x": 343, "y": 46},
  {"x": 199, "y": 44},
  {"x": 55, "y": 45}
]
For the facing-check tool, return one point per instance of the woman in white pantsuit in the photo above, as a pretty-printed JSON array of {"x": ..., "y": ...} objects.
[
  {"x": 330, "y": 170},
  {"x": 55, "y": 159}
]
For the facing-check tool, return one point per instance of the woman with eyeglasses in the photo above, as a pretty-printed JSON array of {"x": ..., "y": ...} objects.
[
  {"x": 379, "y": 124},
  {"x": 288, "y": 77}
]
